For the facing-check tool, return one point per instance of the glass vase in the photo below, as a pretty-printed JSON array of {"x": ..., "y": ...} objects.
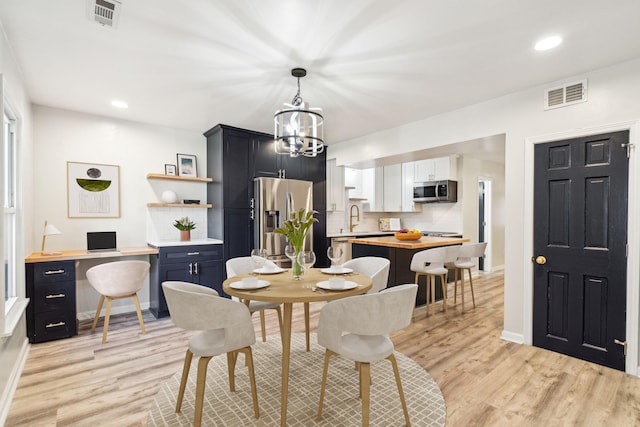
[{"x": 296, "y": 268}]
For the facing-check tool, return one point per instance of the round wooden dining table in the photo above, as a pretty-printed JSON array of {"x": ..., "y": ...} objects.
[{"x": 283, "y": 288}]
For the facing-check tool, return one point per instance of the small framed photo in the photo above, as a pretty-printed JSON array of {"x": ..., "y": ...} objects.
[
  {"x": 187, "y": 165},
  {"x": 170, "y": 169}
]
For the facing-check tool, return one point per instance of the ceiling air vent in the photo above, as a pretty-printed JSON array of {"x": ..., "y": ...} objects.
[
  {"x": 568, "y": 94},
  {"x": 104, "y": 12}
]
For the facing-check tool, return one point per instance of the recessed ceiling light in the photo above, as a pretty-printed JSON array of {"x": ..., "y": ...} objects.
[
  {"x": 548, "y": 43},
  {"x": 119, "y": 104}
]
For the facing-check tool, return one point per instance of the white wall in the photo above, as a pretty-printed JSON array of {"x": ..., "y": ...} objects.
[
  {"x": 138, "y": 149},
  {"x": 612, "y": 98},
  {"x": 13, "y": 350}
]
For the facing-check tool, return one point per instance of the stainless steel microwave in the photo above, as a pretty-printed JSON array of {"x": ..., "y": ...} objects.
[{"x": 436, "y": 191}]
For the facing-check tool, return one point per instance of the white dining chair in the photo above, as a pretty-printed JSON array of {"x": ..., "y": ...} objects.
[
  {"x": 223, "y": 325},
  {"x": 377, "y": 268},
  {"x": 466, "y": 261},
  {"x": 117, "y": 280},
  {"x": 244, "y": 265},
  {"x": 358, "y": 328},
  {"x": 432, "y": 264}
]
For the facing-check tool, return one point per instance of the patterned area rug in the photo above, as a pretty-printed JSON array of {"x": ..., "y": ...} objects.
[{"x": 341, "y": 405}]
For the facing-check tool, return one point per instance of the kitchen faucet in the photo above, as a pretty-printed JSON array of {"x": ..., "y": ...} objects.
[{"x": 351, "y": 216}]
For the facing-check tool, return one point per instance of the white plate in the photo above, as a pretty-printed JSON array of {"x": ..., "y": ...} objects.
[
  {"x": 346, "y": 285},
  {"x": 242, "y": 285},
  {"x": 339, "y": 270},
  {"x": 263, "y": 270}
]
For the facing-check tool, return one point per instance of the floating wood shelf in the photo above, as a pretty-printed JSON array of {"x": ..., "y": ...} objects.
[
  {"x": 177, "y": 178},
  {"x": 178, "y": 205}
]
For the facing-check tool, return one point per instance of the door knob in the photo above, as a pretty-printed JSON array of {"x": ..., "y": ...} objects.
[{"x": 540, "y": 260}]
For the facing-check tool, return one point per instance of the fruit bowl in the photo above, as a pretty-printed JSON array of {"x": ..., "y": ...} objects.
[{"x": 408, "y": 236}]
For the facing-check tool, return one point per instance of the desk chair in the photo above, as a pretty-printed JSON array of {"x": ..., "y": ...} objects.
[
  {"x": 377, "y": 268},
  {"x": 116, "y": 280},
  {"x": 358, "y": 328},
  {"x": 243, "y": 265},
  {"x": 466, "y": 256},
  {"x": 431, "y": 263},
  {"x": 224, "y": 327}
]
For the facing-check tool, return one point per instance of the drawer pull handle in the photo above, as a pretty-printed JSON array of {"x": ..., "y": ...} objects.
[
  {"x": 50, "y": 272},
  {"x": 55, "y": 325},
  {"x": 55, "y": 296},
  {"x": 193, "y": 253}
]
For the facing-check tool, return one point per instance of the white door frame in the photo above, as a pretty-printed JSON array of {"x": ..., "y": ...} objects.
[{"x": 633, "y": 233}]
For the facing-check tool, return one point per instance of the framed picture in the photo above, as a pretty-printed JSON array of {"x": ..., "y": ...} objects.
[
  {"x": 93, "y": 190},
  {"x": 170, "y": 169},
  {"x": 187, "y": 165}
]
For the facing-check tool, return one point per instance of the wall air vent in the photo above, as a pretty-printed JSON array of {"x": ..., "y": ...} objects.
[
  {"x": 568, "y": 94},
  {"x": 104, "y": 12}
]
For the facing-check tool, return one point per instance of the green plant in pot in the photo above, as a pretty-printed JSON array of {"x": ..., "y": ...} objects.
[
  {"x": 295, "y": 230},
  {"x": 185, "y": 225}
]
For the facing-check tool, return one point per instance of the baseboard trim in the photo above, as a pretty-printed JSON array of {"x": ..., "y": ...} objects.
[{"x": 513, "y": 337}]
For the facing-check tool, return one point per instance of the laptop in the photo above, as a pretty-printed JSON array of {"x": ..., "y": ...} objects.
[{"x": 101, "y": 241}]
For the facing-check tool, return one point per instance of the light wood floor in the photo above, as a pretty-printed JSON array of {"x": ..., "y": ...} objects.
[{"x": 485, "y": 381}]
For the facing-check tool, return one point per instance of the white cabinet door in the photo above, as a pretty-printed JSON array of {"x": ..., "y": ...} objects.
[
  {"x": 408, "y": 170},
  {"x": 442, "y": 169},
  {"x": 424, "y": 170},
  {"x": 392, "y": 188},
  {"x": 335, "y": 186}
]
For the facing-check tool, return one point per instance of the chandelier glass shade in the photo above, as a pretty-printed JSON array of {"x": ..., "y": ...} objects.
[{"x": 297, "y": 127}]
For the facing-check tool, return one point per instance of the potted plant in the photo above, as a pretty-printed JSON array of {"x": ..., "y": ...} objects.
[
  {"x": 295, "y": 229},
  {"x": 185, "y": 225}
]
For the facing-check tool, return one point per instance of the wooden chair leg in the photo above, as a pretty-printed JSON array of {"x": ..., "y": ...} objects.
[
  {"x": 396, "y": 372},
  {"x": 95, "y": 319},
  {"x": 248, "y": 354},
  {"x": 462, "y": 288},
  {"x": 200, "y": 383},
  {"x": 473, "y": 297},
  {"x": 455, "y": 285},
  {"x": 433, "y": 294},
  {"x": 136, "y": 301},
  {"x": 183, "y": 380},
  {"x": 107, "y": 315},
  {"x": 232, "y": 358},
  {"x": 443, "y": 282},
  {"x": 263, "y": 326},
  {"x": 428, "y": 299},
  {"x": 365, "y": 380},
  {"x": 327, "y": 355}
]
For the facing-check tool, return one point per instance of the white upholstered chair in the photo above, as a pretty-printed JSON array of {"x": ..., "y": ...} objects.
[
  {"x": 244, "y": 265},
  {"x": 224, "y": 327},
  {"x": 358, "y": 328},
  {"x": 377, "y": 268},
  {"x": 431, "y": 263},
  {"x": 466, "y": 261},
  {"x": 116, "y": 280}
]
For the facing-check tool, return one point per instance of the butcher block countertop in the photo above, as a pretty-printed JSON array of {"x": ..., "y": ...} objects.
[{"x": 423, "y": 243}]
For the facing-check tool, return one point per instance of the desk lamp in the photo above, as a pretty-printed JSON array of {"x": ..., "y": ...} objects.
[{"x": 49, "y": 230}]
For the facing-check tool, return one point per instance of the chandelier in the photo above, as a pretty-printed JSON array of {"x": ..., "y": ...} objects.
[{"x": 298, "y": 128}]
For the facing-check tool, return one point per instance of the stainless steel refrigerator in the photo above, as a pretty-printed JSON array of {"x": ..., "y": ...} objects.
[{"x": 275, "y": 199}]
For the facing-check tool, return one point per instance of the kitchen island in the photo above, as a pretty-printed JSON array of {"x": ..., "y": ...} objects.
[{"x": 400, "y": 253}]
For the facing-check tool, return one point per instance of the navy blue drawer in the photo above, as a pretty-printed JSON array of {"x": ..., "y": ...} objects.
[
  {"x": 55, "y": 324},
  {"x": 54, "y": 271},
  {"x": 190, "y": 253},
  {"x": 53, "y": 296}
]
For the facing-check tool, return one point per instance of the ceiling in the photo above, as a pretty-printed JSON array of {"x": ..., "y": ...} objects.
[{"x": 371, "y": 64}]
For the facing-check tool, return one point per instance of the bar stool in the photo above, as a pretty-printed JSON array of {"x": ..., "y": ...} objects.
[
  {"x": 431, "y": 263},
  {"x": 465, "y": 261}
]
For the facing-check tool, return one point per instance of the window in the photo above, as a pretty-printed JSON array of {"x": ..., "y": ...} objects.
[{"x": 9, "y": 163}]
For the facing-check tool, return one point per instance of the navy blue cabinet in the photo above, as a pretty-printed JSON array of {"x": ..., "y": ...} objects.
[
  {"x": 199, "y": 264},
  {"x": 51, "y": 289}
]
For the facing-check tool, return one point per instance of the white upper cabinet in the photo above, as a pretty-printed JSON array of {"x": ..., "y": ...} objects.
[
  {"x": 441, "y": 168},
  {"x": 335, "y": 186},
  {"x": 407, "y": 189},
  {"x": 392, "y": 188}
]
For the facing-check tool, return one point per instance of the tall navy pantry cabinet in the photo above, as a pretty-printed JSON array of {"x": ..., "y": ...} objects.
[{"x": 234, "y": 158}]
